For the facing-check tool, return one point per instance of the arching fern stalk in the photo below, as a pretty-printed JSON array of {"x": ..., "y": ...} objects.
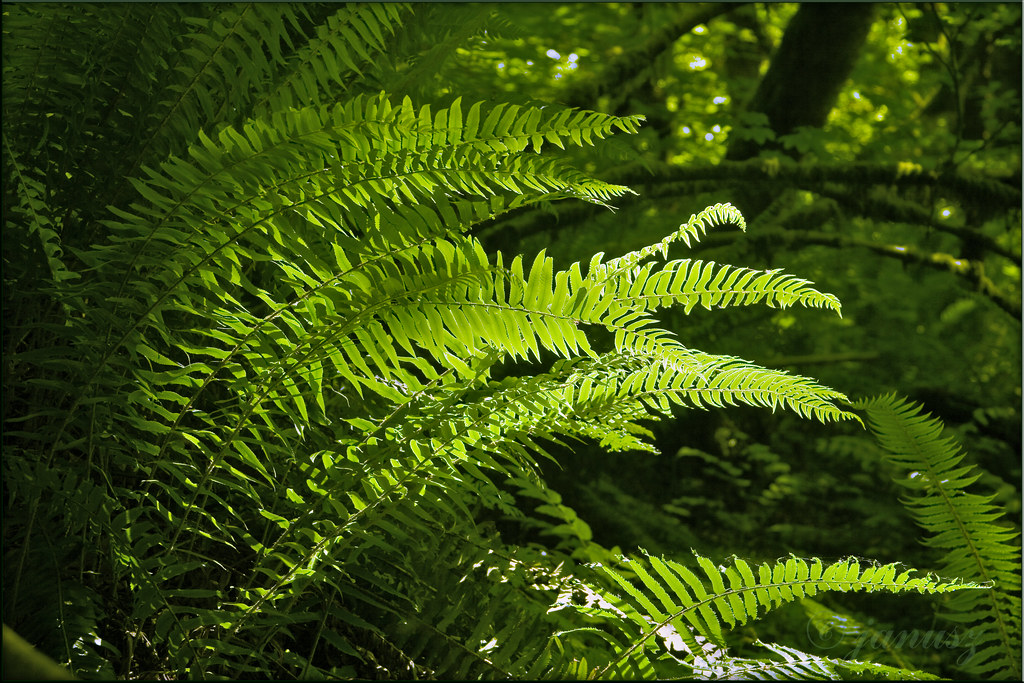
[{"x": 252, "y": 420}]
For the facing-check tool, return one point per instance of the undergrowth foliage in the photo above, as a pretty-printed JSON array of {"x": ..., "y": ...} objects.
[{"x": 252, "y": 416}]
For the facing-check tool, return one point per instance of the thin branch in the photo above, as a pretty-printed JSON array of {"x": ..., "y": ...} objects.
[
  {"x": 822, "y": 359},
  {"x": 987, "y": 193},
  {"x": 996, "y": 193},
  {"x": 891, "y": 209}
]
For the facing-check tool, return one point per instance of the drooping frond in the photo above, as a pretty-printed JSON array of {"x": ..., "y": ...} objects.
[
  {"x": 688, "y": 609},
  {"x": 965, "y": 526},
  {"x": 711, "y": 217},
  {"x": 794, "y": 665}
]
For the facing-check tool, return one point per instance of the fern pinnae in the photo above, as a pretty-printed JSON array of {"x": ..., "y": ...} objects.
[
  {"x": 962, "y": 524},
  {"x": 309, "y": 293},
  {"x": 718, "y": 214},
  {"x": 283, "y": 256},
  {"x": 259, "y": 328},
  {"x": 127, "y": 332},
  {"x": 192, "y": 85},
  {"x": 713, "y": 216},
  {"x": 706, "y": 601},
  {"x": 280, "y": 373},
  {"x": 323, "y": 62},
  {"x": 796, "y": 665},
  {"x": 341, "y": 528},
  {"x": 691, "y": 283},
  {"x": 704, "y": 380},
  {"x": 711, "y": 285}
]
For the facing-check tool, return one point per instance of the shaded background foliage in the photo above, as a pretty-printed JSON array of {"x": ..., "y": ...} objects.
[{"x": 873, "y": 147}]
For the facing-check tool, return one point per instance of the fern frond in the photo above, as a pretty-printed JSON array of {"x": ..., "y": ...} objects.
[
  {"x": 802, "y": 666},
  {"x": 32, "y": 208},
  {"x": 964, "y": 525},
  {"x": 213, "y": 72},
  {"x": 412, "y": 65},
  {"x": 708, "y": 284},
  {"x": 711, "y": 217},
  {"x": 699, "y": 223},
  {"x": 344, "y": 44},
  {"x": 269, "y": 377},
  {"x": 720, "y": 381},
  {"x": 711, "y": 285},
  {"x": 673, "y": 600}
]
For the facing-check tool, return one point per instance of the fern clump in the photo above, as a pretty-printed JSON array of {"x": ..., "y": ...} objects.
[{"x": 255, "y": 421}]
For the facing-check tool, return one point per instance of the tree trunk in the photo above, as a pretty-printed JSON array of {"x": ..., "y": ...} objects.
[{"x": 818, "y": 51}]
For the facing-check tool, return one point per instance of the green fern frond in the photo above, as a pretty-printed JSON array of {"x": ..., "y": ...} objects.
[
  {"x": 801, "y": 666},
  {"x": 344, "y": 44},
  {"x": 711, "y": 285},
  {"x": 213, "y": 73},
  {"x": 963, "y": 525},
  {"x": 699, "y": 223},
  {"x": 708, "y": 284},
  {"x": 675, "y": 602},
  {"x": 720, "y": 381},
  {"x": 32, "y": 208},
  {"x": 550, "y": 310},
  {"x": 711, "y": 217}
]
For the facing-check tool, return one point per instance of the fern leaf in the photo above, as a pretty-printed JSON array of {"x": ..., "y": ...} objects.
[
  {"x": 277, "y": 355},
  {"x": 703, "y": 600},
  {"x": 711, "y": 285},
  {"x": 713, "y": 216},
  {"x": 699, "y": 380},
  {"x": 318, "y": 71},
  {"x": 801, "y": 666},
  {"x": 964, "y": 525}
]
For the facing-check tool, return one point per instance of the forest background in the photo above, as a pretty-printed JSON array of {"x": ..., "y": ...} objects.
[{"x": 873, "y": 149}]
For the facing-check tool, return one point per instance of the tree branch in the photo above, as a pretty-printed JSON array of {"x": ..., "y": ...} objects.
[
  {"x": 985, "y": 192},
  {"x": 972, "y": 271},
  {"x": 891, "y": 209},
  {"x": 990, "y": 195},
  {"x": 822, "y": 359},
  {"x": 627, "y": 72}
]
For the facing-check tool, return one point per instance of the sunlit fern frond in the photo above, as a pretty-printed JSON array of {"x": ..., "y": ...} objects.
[
  {"x": 713, "y": 216},
  {"x": 794, "y": 665},
  {"x": 670, "y": 608}
]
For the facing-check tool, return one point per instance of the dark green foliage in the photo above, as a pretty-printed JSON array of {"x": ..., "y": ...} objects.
[{"x": 275, "y": 408}]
